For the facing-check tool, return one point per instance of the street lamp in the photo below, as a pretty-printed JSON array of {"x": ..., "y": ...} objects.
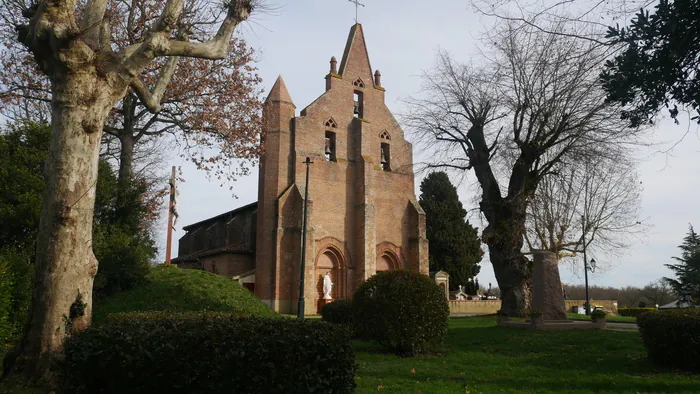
[
  {"x": 300, "y": 306},
  {"x": 585, "y": 265}
]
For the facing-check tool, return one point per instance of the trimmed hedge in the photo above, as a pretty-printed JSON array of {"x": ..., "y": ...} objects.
[
  {"x": 634, "y": 312},
  {"x": 338, "y": 312},
  {"x": 404, "y": 311},
  {"x": 208, "y": 353},
  {"x": 672, "y": 337}
]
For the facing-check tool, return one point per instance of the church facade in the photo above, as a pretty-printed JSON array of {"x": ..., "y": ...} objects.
[{"x": 363, "y": 216}]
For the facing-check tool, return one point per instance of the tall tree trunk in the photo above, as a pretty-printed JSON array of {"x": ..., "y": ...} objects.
[
  {"x": 126, "y": 164},
  {"x": 65, "y": 264},
  {"x": 127, "y": 144},
  {"x": 512, "y": 273},
  {"x": 504, "y": 236}
]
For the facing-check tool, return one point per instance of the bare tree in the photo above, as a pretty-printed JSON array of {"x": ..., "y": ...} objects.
[
  {"x": 658, "y": 293},
  {"x": 212, "y": 108},
  {"x": 588, "y": 20},
  {"x": 89, "y": 72},
  {"x": 533, "y": 102},
  {"x": 596, "y": 199}
]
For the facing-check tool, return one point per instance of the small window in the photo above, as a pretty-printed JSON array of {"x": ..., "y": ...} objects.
[
  {"x": 385, "y": 135},
  {"x": 329, "y": 149},
  {"x": 331, "y": 123},
  {"x": 358, "y": 82},
  {"x": 385, "y": 157},
  {"x": 358, "y": 105}
]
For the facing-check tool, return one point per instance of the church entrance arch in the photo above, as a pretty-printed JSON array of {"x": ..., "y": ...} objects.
[{"x": 330, "y": 260}]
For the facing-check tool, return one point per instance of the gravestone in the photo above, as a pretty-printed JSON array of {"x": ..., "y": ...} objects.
[{"x": 547, "y": 295}]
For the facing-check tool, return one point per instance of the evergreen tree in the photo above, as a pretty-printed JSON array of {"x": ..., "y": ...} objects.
[
  {"x": 659, "y": 63},
  {"x": 455, "y": 246},
  {"x": 122, "y": 241},
  {"x": 687, "y": 270}
]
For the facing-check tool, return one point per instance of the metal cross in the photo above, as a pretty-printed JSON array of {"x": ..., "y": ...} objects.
[{"x": 357, "y": 4}]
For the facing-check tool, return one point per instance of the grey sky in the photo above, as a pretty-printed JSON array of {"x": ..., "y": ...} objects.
[{"x": 403, "y": 38}]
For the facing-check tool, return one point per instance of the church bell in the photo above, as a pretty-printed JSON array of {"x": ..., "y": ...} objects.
[
  {"x": 328, "y": 146},
  {"x": 383, "y": 160}
]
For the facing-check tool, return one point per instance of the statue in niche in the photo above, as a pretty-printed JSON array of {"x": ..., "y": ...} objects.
[{"x": 327, "y": 286}]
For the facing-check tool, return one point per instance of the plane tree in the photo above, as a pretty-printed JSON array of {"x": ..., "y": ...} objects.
[{"x": 89, "y": 72}]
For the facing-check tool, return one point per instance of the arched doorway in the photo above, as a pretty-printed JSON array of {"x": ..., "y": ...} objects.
[{"x": 331, "y": 261}]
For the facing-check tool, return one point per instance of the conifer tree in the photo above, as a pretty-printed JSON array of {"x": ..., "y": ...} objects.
[
  {"x": 455, "y": 246},
  {"x": 687, "y": 270}
]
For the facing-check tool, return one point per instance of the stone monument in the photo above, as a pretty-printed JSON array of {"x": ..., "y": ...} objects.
[{"x": 547, "y": 295}]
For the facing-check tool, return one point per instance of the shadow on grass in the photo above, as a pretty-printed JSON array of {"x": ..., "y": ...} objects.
[{"x": 481, "y": 357}]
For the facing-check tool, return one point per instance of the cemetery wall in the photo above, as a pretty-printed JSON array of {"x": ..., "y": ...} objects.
[{"x": 487, "y": 307}]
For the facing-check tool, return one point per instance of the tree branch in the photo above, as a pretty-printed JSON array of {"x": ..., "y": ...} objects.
[
  {"x": 152, "y": 100},
  {"x": 93, "y": 22}
]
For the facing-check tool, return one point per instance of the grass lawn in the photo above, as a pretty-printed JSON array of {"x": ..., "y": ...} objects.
[
  {"x": 480, "y": 357},
  {"x": 175, "y": 289},
  {"x": 615, "y": 319}
]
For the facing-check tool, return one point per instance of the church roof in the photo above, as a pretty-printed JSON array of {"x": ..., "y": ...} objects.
[
  {"x": 211, "y": 220},
  {"x": 356, "y": 54},
  {"x": 236, "y": 248},
  {"x": 279, "y": 92}
]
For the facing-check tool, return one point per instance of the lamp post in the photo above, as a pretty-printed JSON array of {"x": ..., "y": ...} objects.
[
  {"x": 585, "y": 265},
  {"x": 300, "y": 306}
]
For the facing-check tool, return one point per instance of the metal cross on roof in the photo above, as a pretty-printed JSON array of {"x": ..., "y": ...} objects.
[{"x": 357, "y": 5}]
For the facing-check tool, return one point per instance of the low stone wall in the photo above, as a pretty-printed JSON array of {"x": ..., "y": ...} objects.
[
  {"x": 474, "y": 307},
  {"x": 478, "y": 307}
]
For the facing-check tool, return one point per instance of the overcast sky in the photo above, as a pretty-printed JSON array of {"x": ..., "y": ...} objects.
[{"x": 403, "y": 37}]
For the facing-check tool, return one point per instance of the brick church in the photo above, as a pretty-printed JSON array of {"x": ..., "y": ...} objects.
[{"x": 363, "y": 216}]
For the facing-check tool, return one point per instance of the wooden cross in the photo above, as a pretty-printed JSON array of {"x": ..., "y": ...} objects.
[{"x": 357, "y": 4}]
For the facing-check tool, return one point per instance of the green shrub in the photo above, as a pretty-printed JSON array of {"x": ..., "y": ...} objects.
[
  {"x": 208, "y": 353},
  {"x": 634, "y": 312},
  {"x": 5, "y": 302},
  {"x": 403, "y": 311},
  {"x": 598, "y": 314},
  {"x": 672, "y": 337},
  {"x": 339, "y": 312},
  {"x": 15, "y": 293},
  {"x": 122, "y": 240}
]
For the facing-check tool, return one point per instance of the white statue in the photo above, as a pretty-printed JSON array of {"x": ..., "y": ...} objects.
[{"x": 327, "y": 286}]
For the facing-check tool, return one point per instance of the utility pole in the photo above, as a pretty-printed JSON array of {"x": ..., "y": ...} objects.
[
  {"x": 300, "y": 306},
  {"x": 171, "y": 212}
]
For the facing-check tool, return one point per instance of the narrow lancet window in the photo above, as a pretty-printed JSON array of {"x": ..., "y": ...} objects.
[
  {"x": 358, "y": 105},
  {"x": 329, "y": 149},
  {"x": 385, "y": 157}
]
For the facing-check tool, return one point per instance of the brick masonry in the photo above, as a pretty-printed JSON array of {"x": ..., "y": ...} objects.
[{"x": 362, "y": 217}]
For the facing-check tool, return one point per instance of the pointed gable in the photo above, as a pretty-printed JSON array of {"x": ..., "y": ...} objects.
[
  {"x": 355, "y": 63},
  {"x": 279, "y": 92}
]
